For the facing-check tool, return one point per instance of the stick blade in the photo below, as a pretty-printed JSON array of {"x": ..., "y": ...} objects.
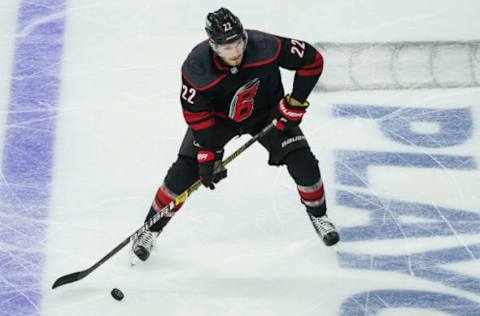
[{"x": 69, "y": 278}]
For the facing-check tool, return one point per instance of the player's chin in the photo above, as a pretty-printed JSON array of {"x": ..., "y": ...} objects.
[{"x": 235, "y": 61}]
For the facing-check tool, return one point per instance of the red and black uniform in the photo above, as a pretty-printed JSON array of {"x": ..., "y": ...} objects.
[
  {"x": 245, "y": 95},
  {"x": 220, "y": 102}
]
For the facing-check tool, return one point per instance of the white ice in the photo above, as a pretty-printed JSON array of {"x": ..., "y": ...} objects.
[{"x": 246, "y": 248}]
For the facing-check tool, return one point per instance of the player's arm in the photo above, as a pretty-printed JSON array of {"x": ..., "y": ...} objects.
[
  {"x": 308, "y": 65},
  {"x": 199, "y": 114},
  {"x": 307, "y": 62}
]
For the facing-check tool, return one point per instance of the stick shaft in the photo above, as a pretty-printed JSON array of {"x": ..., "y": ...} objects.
[{"x": 76, "y": 276}]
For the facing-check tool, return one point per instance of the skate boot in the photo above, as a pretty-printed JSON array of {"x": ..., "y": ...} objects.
[
  {"x": 143, "y": 245},
  {"x": 325, "y": 229}
]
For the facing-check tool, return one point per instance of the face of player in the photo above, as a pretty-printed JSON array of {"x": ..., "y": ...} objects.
[{"x": 232, "y": 53}]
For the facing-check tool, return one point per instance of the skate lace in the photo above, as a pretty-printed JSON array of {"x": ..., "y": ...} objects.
[
  {"x": 146, "y": 239},
  {"x": 323, "y": 224}
]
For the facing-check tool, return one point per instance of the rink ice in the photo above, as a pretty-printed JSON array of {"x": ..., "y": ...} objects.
[{"x": 246, "y": 248}]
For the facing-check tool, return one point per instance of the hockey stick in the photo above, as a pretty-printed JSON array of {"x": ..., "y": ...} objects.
[{"x": 76, "y": 276}]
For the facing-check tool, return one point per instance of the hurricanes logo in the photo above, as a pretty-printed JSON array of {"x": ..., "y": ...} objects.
[{"x": 241, "y": 106}]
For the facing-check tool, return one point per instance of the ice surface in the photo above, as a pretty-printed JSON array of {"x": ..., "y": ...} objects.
[{"x": 99, "y": 123}]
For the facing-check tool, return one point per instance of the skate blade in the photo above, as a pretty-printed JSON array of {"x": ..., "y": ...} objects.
[
  {"x": 336, "y": 248},
  {"x": 133, "y": 259}
]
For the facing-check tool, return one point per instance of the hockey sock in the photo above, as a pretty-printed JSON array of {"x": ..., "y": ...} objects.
[
  {"x": 158, "y": 226},
  {"x": 313, "y": 197},
  {"x": 303, "y": 168},
  {"x": 163, "y": 197}
]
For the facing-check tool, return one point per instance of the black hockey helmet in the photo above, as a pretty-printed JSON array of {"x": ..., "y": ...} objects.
[{"x": 224, "y": 27}]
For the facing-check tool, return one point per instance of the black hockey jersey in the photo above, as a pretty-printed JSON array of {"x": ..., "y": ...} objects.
[{"x": 246, "y": 94}]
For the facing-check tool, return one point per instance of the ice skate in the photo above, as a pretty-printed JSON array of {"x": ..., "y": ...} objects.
[
  {"x": 325, "y": 229},
  {"x": 144, "y": 244}
]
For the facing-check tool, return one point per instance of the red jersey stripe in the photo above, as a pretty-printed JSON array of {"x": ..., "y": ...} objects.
[
  {"x": 192, "y": 117},
  {"x": 202, "y": 125},
  {"x": 318, "y": 62},
  {"x": 309, "y": 72}
]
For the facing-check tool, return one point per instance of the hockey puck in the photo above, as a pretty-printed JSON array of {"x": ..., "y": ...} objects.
[{"x": 117, "y": 294}]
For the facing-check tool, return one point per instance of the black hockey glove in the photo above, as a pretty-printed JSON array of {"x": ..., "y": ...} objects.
[
  {"x": 208, "y": 163},
  {"x": 286, "y": 115}
]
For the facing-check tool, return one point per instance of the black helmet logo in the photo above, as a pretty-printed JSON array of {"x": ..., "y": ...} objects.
[{"x": 223, "y": 27}]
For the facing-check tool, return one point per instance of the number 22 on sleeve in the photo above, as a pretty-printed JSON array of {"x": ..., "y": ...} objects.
[{"x": 188, "y": 94}]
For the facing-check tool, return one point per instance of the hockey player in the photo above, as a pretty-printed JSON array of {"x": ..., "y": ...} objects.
[{"x": 232, "y": 86}]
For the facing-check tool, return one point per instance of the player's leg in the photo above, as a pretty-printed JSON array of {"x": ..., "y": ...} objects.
[
  {"x": 303, "y": 168},
  {"x": 291, "y": 148},
  {"x": 180, "y": 176}
]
